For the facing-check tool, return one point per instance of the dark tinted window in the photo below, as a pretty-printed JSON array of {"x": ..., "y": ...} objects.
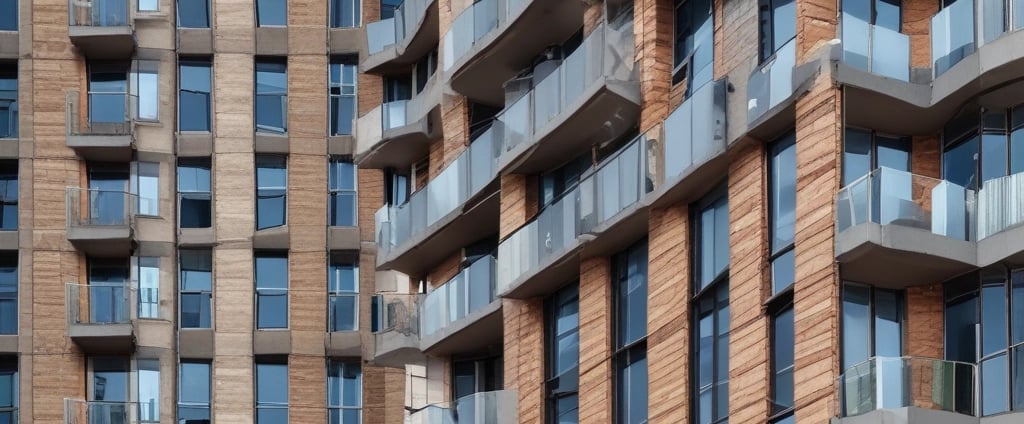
[
  {"x": 8, "y": 15},
  {"x": 271, "y": 12},
  {"x": 194, "y": 209},
  {"x": 8, "y": 195},
  {"x": 271, "y": 191},
  {"x": 193, "y": 14},
  {"x": 343, "y": 196},
  {"x": 629, "y": 271},
  {"x": 195, "y": 281},
  {"x": 8, "y": 96},
  {"x": 271, "y": 95},
  {"x": 563, "y": 349},
  {"x": 345, "y": 13},
  {"x": 194, "y": 95},
  {"x": 8, "y": 292},
  {"x": 782, "y": 210}
]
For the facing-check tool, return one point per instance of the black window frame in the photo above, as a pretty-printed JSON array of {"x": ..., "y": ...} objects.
[
  {"x": 708, "y": 301},
  {"x": 775, "y": 148},
  {"x": 9, "y": 77},
  {"x": 8, "y": 200},
  {"x": 205, "y": 295},
  {"x": 265, "y": 193},
  {"x": 337, "y": 18},
  {"x": 186, "y": 197},
  {"x": 566, "y": 385},
  {"x": 626, "y": 353},
  {"x": 9, "y": 291},
  {"x": 767, "y": 38},
  {"x": 975, "y": 125},
  {"x": 197, "y": 63},
  {"x": 682, "y": 66},
  {"x": 780, "y": 305}
]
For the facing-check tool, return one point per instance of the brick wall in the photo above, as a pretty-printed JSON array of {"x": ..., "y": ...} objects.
[
  {"x": 523, "y": 356},
  {"x": 652, "y": 28},
  {"x": 917, "y": 15},
  {"x": 595, "y": 342},
  {"x": 668, "y": 316}
]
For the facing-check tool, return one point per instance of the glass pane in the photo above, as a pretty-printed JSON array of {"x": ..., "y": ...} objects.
[
  {"x": 783, "y": 272},
  {"x": 1017, "y": 146},
  {"x": 195, "y": 310},
  {"x": 782, "y": 359},
  {"x": 960, "y": 164},
  {"x": 271, "y": 415},
  {"x": 783, "y": 22},
  {"x": 783, "y": 193},
  {"x": 149, "y": 389},
  {"x": 343, "y": 209},
  {"x": 343, "y": 110},
  {"x": 195, "y": 211},
  {"x": 856, "y": 150},
  {"x": 194, "y": 111},
  {"x": 196, "y": 270},
  {"x": 893, "y": 153},
  {"x": 271, "y": 272},
  {"x": 343, "y": 278},
  {"x": 856, "y": 325},
  {"x": 993, "y": 313},
  {"x": 1017, "y": 302},
  {"x": 9, "y": 16},
  {"x": 993, "y": 156},
  {"x": 272, "y": 311},
  {"x": 195, "y": 383},
  {"x": 994, "y": 392},
  {"x": 888, "y": 323},
  {"x": 110, "y": 379},
  {"x": 960, "y": 319},
  {"x": 343, "y": 313},
  {"x": 567, "y": 410},
  {"x": 149, "y": 287},
  {"x": 193, "y": 14},
  {"x": 149, "y": 188},
  {"x": 271, "y": 12},
  {"x": 270, "y": 211},
  {"x": 271, "y": 384}
]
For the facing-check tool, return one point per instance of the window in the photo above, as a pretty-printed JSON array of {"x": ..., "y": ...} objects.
[
  {"x": 147, "y": 183},
  {"x": 271, "y": 290},
  {"x": 8, "y": 97},
  {"x": 711, "y": 308},
  {"x": 777, "y": 25},
  {"x": 865, "y": 151},
  {"x": 145, "y": 87},
  {"x": 397, "y": 88},
  {"x": 425, "y": 69},
  {"x": 149, "y": 286},
  {"x": 343, "y": 291},
  {"x": 563, "y": 351},
  {"x": 345, "y": 13},
  {"x": 872, "y": 326},
  {"x": 108, "y": 195},
  {"x": 149, "y": 390},
  {"x": 194, "y": 210},
  {"x": 396, "y": 187},
  {"x": 991, "y": 302},
  {"x": 193, "y": 14},
  {"x": 271, "y": 393},
  {"x": 388, "y": 7},
  {"x": 344, "y": 78},
  {"x": 8, "y": 389},
  {"x": 344, "y": 392},
  {"x": 629, "y": 282},
  {"x": 194, "y": 94},
  {"x": 555, "y": 183},
  {"x": 782, "y": 359},
  {"x": 149, "y": 5},
  {"x": 271, "y": 95},
  {"x": 271, "y": 191},
  {"x": 478, "y": 375},
  {"x": 782, "y": 210},
  {"x": 108, "y": 291},
  {"x": 110, "y": 384},
  {"x": 195, "y": 279},
  {"x": 194, "y": 392},
  {"x": 108, "y": 94},
  {"x": 8, "y": 294},
  {"x": 694, "y": 43},
  {"x": 343, "y": 193},
  {"x": 9, "y": 191},
  {"x": 8, "y": 15},
  {"x": 983, "y": 146},
  {"x": 271, "y": 13},
  {"x": 881, "y": 13}
]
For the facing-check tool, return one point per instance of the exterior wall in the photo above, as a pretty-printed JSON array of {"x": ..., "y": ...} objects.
[
  {"x": 595, "y": 341},
  {"x": 668, "y": 315},
  {"x": 523, "y": 356}
]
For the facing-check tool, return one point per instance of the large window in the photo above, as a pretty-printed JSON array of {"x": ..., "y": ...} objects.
[
  {"x": 108, "y": 93},
  {"x": 776, "y": 24},
  {"x": 872, "y": 326},
  {"x": 195, "y": 281},
  {"x": 563, "y": 352},
  {"x": 147, "y": 185},
  {"x": 271, "y": 191},
  {"x": 110, "y": 383},
  {"x": 8, "y": 293},
  {"x": 8, "y": 195},
  {"x": 148, "y": 268},
  {"x": 881, "y": 13},
  {"x": 271, "y": 13},
  {"x": 194, "y": 392},
  {"x": 271, "y": 290},
  {"x": 148, "y": 375},
  {"x": 345, "y": 13},
  {"x": 991, "y": 302},
  {"x": 8, "y": 15},
  {"x": 194, "y": 95},
  {"x": 782, "y": 210},
  {"x": 108, "y": 290},
  {"x": 194, "y": 210},
  {"x": 478, "y": 375},
  {"x": 983, "y": 146},
  {"x": 193, "y": 14},
  {"x": 343, "y": 291},
  {"x": 8, "y": 389},
  {"x": 271, "y": 392},
  {"x": 342, "y": 177},
  {"x": 145, "y": 89},
  {"x": 783, "y": 344},
  {"x": 387, "y": 8},
  {"x": 8, "y": 96},
  {"x": 694, "y": 52},
  {"x": 271, "y": 95},
  {"x": 711, "y": 308},
  {"x": 865, "y": 151},
  {"x": 344, "y": 392},
  {"x": 629, "y": 285},
  {"x": 108, "y": 188},
  {"x": 344, "y": 80}
]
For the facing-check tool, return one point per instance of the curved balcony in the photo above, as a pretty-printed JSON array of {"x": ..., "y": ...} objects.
[
  {"x": 102, "y": 29},
  {"x": 491, "y": 41},
  {"x": 451, "y": 211},
  {"x": 397, "y": 134},
  {"x": 592, "y": 96},
  {"x": 497, "y": 407},
  {"x": 463, "y": 315},
  {"x": 772, "y": 90},
  {"x": 401, "y": 40},
  {"x": 101, "y": 222},
  {"x": 396, "y": 332},
  {"x": 908, "y": 390},
  {"x": 975, "y": 51}
]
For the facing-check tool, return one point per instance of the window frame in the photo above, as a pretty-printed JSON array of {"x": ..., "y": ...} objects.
[
  {"x": 625, "y": 352},
  {"x": 355, "y": 8},
  {"x": 9, "y": 74},
  {"x": 270, "y": 65},
  {"x": 271, "y": 291},
  {"x": 553, "y": 392},
  {"x": 342, "y": 89},
  {"x": 148, "y": 298},
  {"x": 257, "y": 13},
  {"x": 336, "y": 262},
  {"x": 206, "y": 63},
  {"x": 335, "y": 166},
  {"x": 199, "y": 163},
  {"x": 270, "y": 405},
  {"x": 717, "y": 287},
  {"x": 209, "y": 386},
  {"x": 9, "y": 176},
  {"x": 204, "y": 294},
  {"x": 9, "y": 365},
  {"x": 271, "y": 161},
  {"x": 177, "y": 15},
  {"x": 9, "y": 258},
  {"x": 775, "y": 148},
  {"x": 779, "y": 306},
  {"x": 764, "y": 58},
  {"x": 682, "y": 68},
  {"x": 341, "y": 367}
]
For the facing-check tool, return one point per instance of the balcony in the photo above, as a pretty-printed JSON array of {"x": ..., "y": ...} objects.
[
  {"x": 102, "y": 29},
  {"x": 77, "y": 411},
  {"x": 463, "y": 315},
  {"x": 100, "y": 317},
  {"x": 907, "y": 390},
  {"x": 596, "y": 218},
  {"x": 883, "y": 52},
  {"x": 1000, "y": 215},
  {"x": 396, "y": 134},
  {"x": 918, "y": 228},
  {"x": 101, "y": 222},
  {"x": 491, "y": 41},
  {"x": 396, "y": 332},
  {"x": 592, "y": 96},
  {"x": 454, "y": 209},
  {"x": 497, "y": 407},
  {"x": 105, "y": 135},
  {"x": 403, "y": 39},
  {"x": 772, "y": 90}
]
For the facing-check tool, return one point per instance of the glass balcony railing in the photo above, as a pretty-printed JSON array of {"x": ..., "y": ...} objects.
[
  {"x": 694, "y": 132},
  {"x": 98, "y": 13},
  {"x": 370, "y": 128},
  {"x": 106, "y": 114},
  {"x": 100, "y": 303},
  {"x": 452, "y": 188},
  {"x": 605, "y": 54},
  {"x": 875, "y": 49},
  {"x": 497, "y": 407},
  {"x": 386, "y": 32},
  {"x": 469, "y": 291},
  {"x": 772, "y": 83},
  {"x": 953, "y": 36},
  {"x": 108, "y": 412},
  {"x": 1000, "y": 204},
  {"x": 890, "y": 383},
  {"x": 100, "y": 208},
  {"x": 396, "y": 314},
  {"x": 890, "y": 197},
  {"x": 433, "y": 414},
  {"x": 474, "y": 23},
  {"x": 615, "y": 184}
]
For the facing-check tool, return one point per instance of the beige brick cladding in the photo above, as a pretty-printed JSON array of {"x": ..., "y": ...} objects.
[
  {"x": 523, "y": 356},
  {"x": 668, "y": 315},
  {"x": 595, "y": 389}
]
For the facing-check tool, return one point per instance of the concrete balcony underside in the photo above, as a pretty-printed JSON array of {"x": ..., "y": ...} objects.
[
  {"x": 475, "y": 218},
  {"x": 103, "y": 338},
  {"x": 474, "y": 333},
  {"x": 915, "y": 415},
  {"x": 102, "y": 240},
  {"x": 605, "y": 111},
  {"x": 393, "y": 349},
  {"x": 399, "y": 56},
  {"x": 505, "y": 51},
  {"x": 103, "y": 42},
  {"x": 913, "y": 256},
  {"x": 400, "y": 146},
  {"x": 991, "y": 76},
  {"x": 107, "y": 148}
]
